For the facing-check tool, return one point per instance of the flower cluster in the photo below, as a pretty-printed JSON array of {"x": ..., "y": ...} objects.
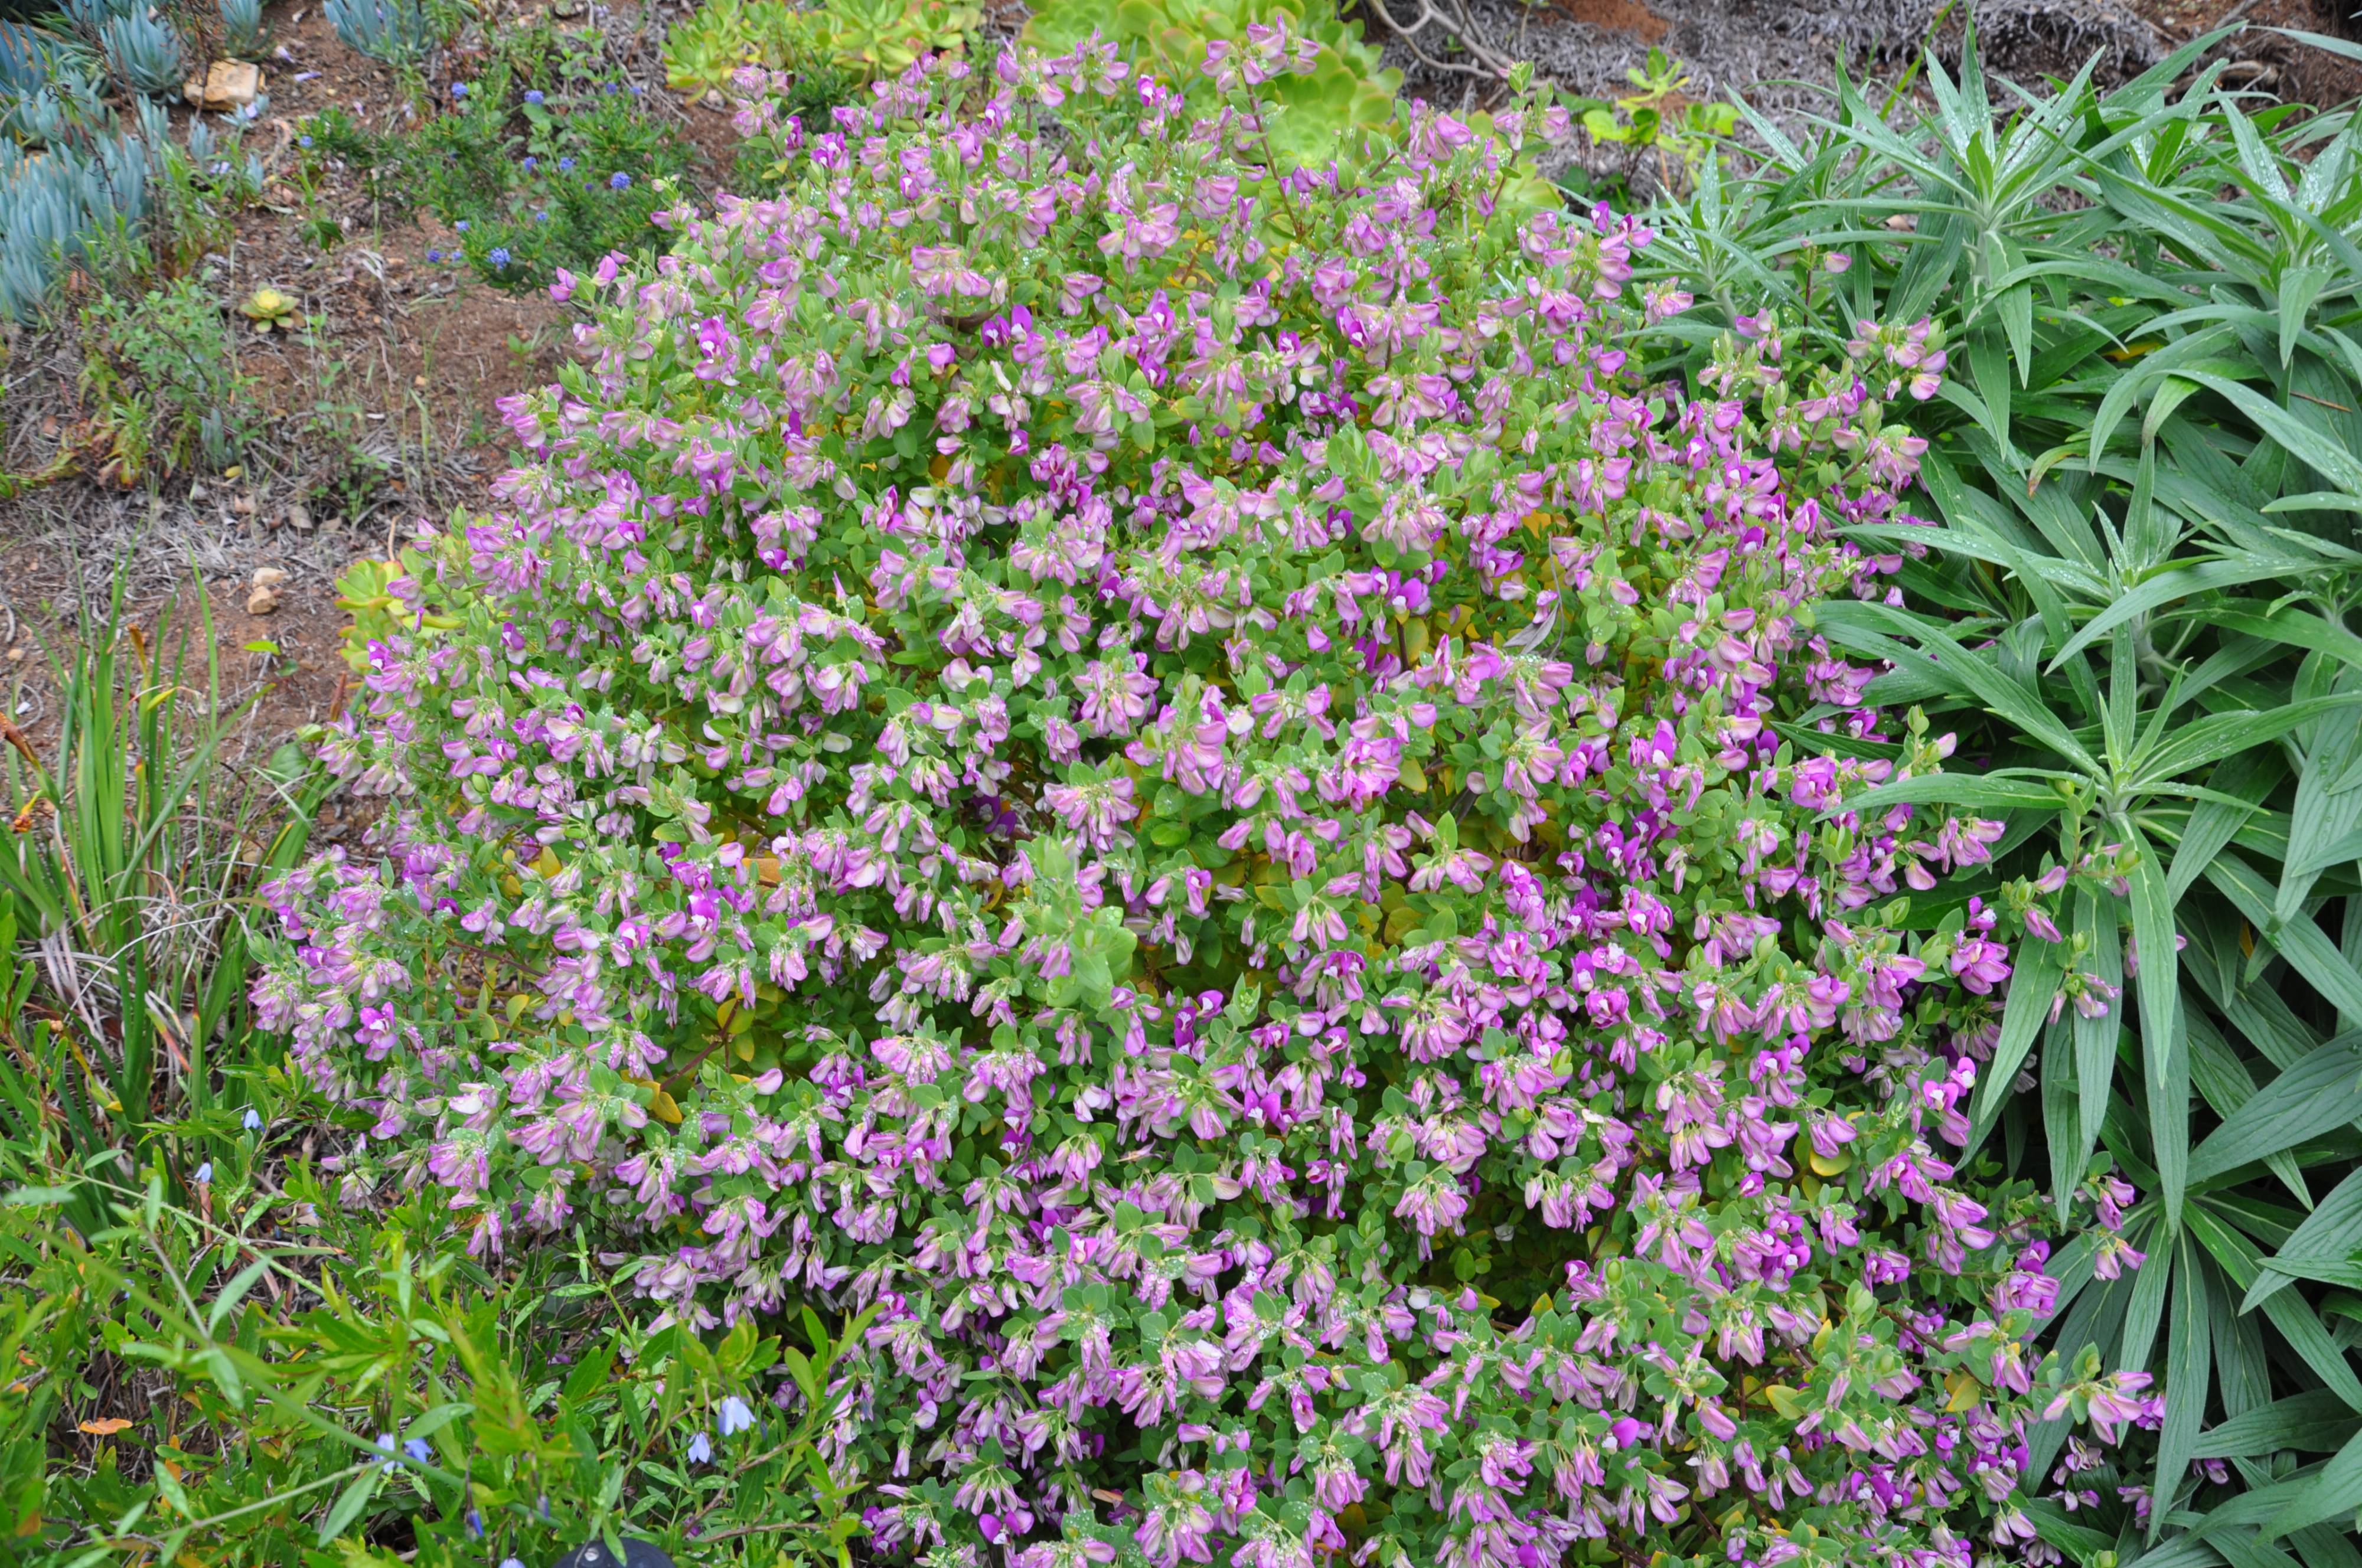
[{"x": 1198, "y": 792}]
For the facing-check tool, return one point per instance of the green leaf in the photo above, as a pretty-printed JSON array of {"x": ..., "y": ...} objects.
[
  {"x": 2189, "y": 1374},
  {"x": 350, "y": 1504},
  {"x": 2318, "y": 1095},
  {"x": 2337, "y": 1490},
  {"x": 227, "y": 1303},
  {"x": 2329, "y": 1237},
  {"x": 2287, "y": 1310},
  {"x": 2293, "y": 627},
  {"x": 2164, "y": 1049},
  {"x": 2313, "y": 447},
  {"x": 2005, "y": 790},
  {"x": 2249, "y": 776},
  {"x": 2327, "y": 808},
  {"x": 2301, "y": 941},
  {"x": 1874, "y": 628},
  {"x": 2219, "y": 736},
  {"x": 2053, "y": 1524},
  {"x": 2316, "y": 1422},
  {"x": 2032, "y": 986},
  {"x": 2175, "y": 580}
]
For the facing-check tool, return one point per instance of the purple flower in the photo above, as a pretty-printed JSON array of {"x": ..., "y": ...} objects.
[
  {"x": 735, "y": 1417},
  {"x": 618, "y": 181}
]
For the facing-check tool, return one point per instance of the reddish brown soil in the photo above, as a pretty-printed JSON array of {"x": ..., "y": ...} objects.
[
  {"x": 1616, "y": 16},
  {"x": 411, "y": 356}
]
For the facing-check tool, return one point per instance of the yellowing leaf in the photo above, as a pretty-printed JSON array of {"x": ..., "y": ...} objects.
[
  {"x": 1965, "y": 1391},
  {"x": 106, "y": 1426},
  {"x": 661, "y": 1107},
  {"x": 1829, "y": 1165}
]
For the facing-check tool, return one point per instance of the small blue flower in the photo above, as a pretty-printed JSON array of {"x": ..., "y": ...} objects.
[
  {"x": 302, "y": 141},
  {"x": 498, "y": 257},
  {"x": 566, "y": 166},
  {"x": 476, "y": 1525},
  {"x": 533, "y": 95},
  {"x": 205, "y": 1178},
  {"x": 385, "y": 1446},
  {"x": 461, "y": 225},
  {"x": 530, "y": 163},
  {"x": 458, "y": 89},
  {"x": 510, "y": 1563},
  {"x": 252, "y": 1120},
  {"x": 736, "y": 1417},
  {"x": 700, "y": 1449},
  {"x": 416, "y": 1448},
  {"x": 618, "y": 181},
  {"x": 541, "y": 218},
  {"x": 434, "y": 256}
]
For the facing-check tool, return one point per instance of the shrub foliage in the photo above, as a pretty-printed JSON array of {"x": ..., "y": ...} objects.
[{"x": 1196, "y": 790}]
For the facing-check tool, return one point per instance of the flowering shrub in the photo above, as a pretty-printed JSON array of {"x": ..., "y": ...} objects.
[{"x": 1190, "y": 787}]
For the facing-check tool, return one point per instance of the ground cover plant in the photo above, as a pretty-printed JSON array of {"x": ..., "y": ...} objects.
[
  {"x": 540, "y": 159},
  {"x": 2137, "y": 611},
  {"x": 1184, "y": 787},
  {"x": 1126, "y": 847}
]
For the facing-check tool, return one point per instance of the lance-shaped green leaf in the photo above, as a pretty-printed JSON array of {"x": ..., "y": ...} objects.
[
  {"x": 2314, "y": 1422},
  {"x": 2318, "y": 1095},
  {"x": 1971, "y": 674},
  {"x": 2033, "y": 989},
  {"x": 2327, "y": 1242},
  {"x": 2301, "y": 941},
  {"x": 2337, "y": 1490},
  {"x": 2287, "y": 1310},
  {"x": 2189, "y": 1376},
  {"x": 2164, "y": 1049},
  {"x": 2292, "y": 627},
  {"x": 2219, "y": 736}
]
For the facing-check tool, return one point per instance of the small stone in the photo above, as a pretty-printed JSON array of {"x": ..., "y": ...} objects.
[
  {"x": 264, "y": 598},
  {"x": 227, "y": 84}
]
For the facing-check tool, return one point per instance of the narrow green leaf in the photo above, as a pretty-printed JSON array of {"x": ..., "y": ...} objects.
[
  {"x": 2318, "y": 1095},
  {"x": 2301, "y": 943},
  {"x": 2337, "y": 1490},
  {"x": 2313, "y": 447},
  {"x": 227, "y": 1303},
  {"x": 2005, "y": 790},
  {"x": 2294, "y": 627},
  {"x": 2331, "y": 1233},
  {"x": 2219, "y": 736},
  {"x": 349, "y": 1503},
  {"x": 2189, "y": 1372},
  {"x": 2032, "y": 986},
  {"x": 2164, "y": 1051},
  {"x": 2145, "y": 1312},
  {"x": 2316, "y": 1422},
  {"x": 2247, "y": 776}
]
